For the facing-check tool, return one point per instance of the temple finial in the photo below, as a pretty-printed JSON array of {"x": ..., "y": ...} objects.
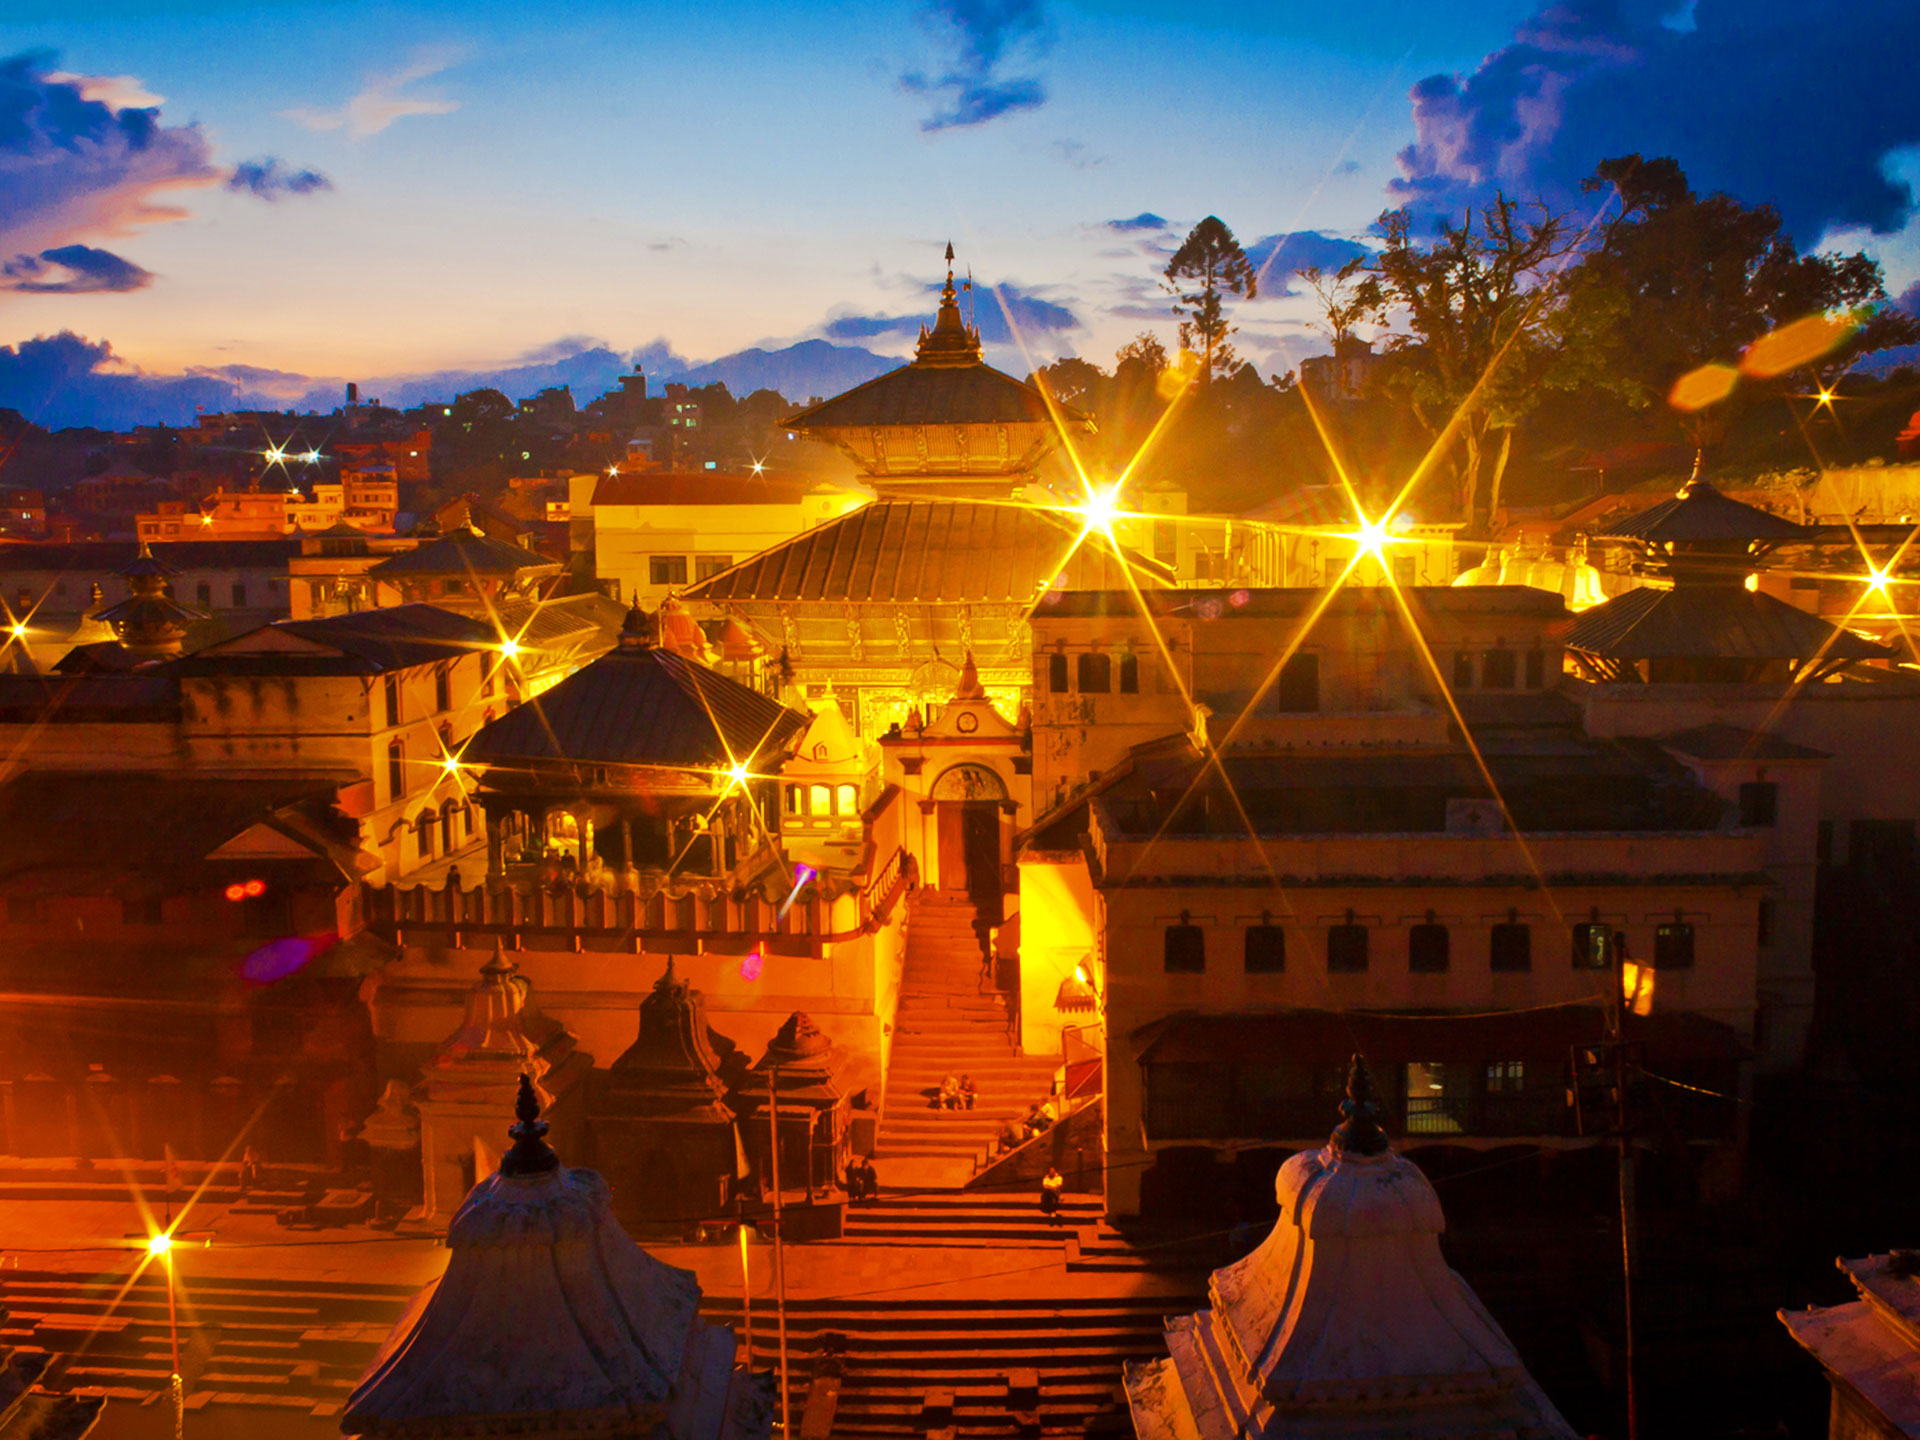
[
  {"x": 1359, "y": 1132},
  {"x": 530, "y": 1154},
  {"x": 949, "y": 262}
]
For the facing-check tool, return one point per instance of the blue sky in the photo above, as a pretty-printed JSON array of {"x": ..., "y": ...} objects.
[{"x": 438, "y": 185}]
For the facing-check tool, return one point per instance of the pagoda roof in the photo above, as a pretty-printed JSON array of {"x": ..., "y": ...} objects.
[
  {"x": 939, "y": 551},
  {"x": 917, "y": 394},
  {"x": 1712, "y": 622},
  {"x": 672, "y": 1069},
  {"x": 364, "y": 642},
  {"x": 462, "y": 552},
  {"x": 641, "y": 705},
  {"x": 1702, "y": 513}
]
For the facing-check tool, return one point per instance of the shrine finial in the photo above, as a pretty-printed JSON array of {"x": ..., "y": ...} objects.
[
  {"x": 530, "y": 1154},
  {"x": 1359, "y": 1132}
]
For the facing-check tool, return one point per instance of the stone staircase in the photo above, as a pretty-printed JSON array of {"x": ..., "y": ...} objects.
[
  {"x": 968, "y": 1219},
  {"x": 951, "y": 1022}
]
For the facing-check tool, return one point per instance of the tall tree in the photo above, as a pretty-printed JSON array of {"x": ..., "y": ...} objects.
[
  {"x": 1208, "y": 266},
  {"x": 1679, "y": 280},
  {"x": 1479, "y": 304},
  {"x": 1348, "y": 297}
]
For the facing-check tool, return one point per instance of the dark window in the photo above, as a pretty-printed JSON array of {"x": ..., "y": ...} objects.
[
  {"x": 1266, "y": 950},
  {"x": 1428, "y": 948},
  {"x": 1186, "y": 949},
  {"x": 1298, "y": 692},
  {"x": 1512, "y": 947},
  {"x": 1590, "y": 947},
  {"x": 1462, "y": 671},
  {"x": 1094, "y": 672},
  {"x": 1823, "y": 842},
  {"x": 396, "y": 771},
  {"x": 1346, "y": 948},
  {"x": 1497, "y": 670},
  {"x": 1763, "y": 924},
  {"x": 1759, "y": 803},
  {"x": 1405, "y": 570},
  {"x": 666, "y": 569},
  {"x": 1057, "y": 674},
  {"x": 423, "y": 829},
  {"x": 25, "y": 910},
  {"x": 203, "y": 592},
  {"x": 239, "y": 595},
  {"x": 1166, "y": 542},
  {"x": 140, "y": 912},
  {"x": 442, "y": 688},
  {"x": 392, "y": 687},
  {"x": 1129, "y": 673},
  {"x": 1673, "y": 946},
  {"x": 1536, "y": 669}
]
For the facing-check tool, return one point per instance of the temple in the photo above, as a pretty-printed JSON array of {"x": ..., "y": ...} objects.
[
  {"x": 549, "y": 1321},
  {"x": 1346, "y": 1321}
]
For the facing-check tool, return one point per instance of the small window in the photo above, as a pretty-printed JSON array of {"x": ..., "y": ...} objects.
[
  {"x": 1347, "y": 949},
  {"x": 796, "y": 801},
  {"x": 1186, "y": 949},
  {"x": 203, "y": 592},
  {"x": 847, "y": 800},
  {"x": 442, "y": 688},
  {"x": 1590, "y": 946},
  {"x": 1166, "y": 542},
  {"x": 1428, "y": 949},
  {"x": 392, "y": 687},
  {"x": 820, "y": 801},
  {"x": 666, "y": 569},
  {"x": 1512, "y": 946},
  {"x": 1763, "y": 923},
  {"x": 1497, "y": 670},
  {"x": 1462, "y": 670},
  {"x": 1266, "y": 949},
  {"x": 1057, "y": 674},
  {"x": 1673, "y": 946},
  {"x": 1094, "y": 672},
  {"x": 1129, "y": 673},
  {"x": 423, "y": 829},
  {"x": 705, "y": 567},
  {"x": 1298, "y": 692},
  {"x": 396, "y": 771},
  {"x": 239, "y": 596},
  {"x": 140, "y": 912},
  {"x": 1506, "y": 1077},
  {"x": 1536, "y": 669},
  {"x": 1759, "y": 803}
]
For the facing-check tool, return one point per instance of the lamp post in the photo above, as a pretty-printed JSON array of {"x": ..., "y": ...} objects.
[{"x": 159, "y": 1246}]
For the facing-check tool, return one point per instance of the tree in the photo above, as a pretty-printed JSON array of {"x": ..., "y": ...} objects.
[
  {"x": 1348, "y": 297},
  {"x": 1209, "y": 265},
  {"x": 1479, "y": 303},
  {"x": 1679, "y": 280}
]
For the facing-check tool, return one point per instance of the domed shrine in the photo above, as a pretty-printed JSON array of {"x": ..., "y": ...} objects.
[{"x": 1346, "y": 1321}]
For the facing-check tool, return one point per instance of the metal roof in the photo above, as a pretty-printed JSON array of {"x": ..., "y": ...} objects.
[
  {"x": 935, "y": 395},
  {"x": 1701, "y": 512},
  {"x": 1712, "y": 622},
  {"x": 952, "y": 551},
  {"x": 639, "y": 705},
  {"x": 705, "y": 487},
  {"x": 364, "y": 642},
  {"x": 464, "y": 552}
]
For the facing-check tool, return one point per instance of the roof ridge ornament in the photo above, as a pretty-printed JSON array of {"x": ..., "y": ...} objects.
[
  {"x": 530, "y": 1154},
  {"x": 1359, "y": 1132}
]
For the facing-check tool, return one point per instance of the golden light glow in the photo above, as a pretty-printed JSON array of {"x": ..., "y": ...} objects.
[
  {"x": 1825, "y": 397},
  {"x": 160, "y": 1243},
  {"x": 19, "y": 630},
  {"x": 738, "y": 774},
  {"x": 613, "y": 469},
  {"x": 758, "y": 468},
  {"x": 274, "y": 454},
  {"x": 1372, "y": 537},
  {"x": 510, "y": 649},
  {"x": 311, "y": 457},
  {"x": 1877, "y": 580},
  {"x": 1100, "y": 509}
]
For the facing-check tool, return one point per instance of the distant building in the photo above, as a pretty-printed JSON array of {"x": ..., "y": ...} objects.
[
  {"x": 23, "y": 513},
  {"x": 1344, "y": 375}
]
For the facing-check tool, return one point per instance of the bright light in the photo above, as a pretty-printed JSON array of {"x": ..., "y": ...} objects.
[
  {"x": 1080, "y": 974},
  {"x": 510, "y": 649},
  {"x": 750, "y": 970},
  {"x": 1100, "y": 509},
  {"x": 19, "y": 630},
  {"x": 1825, "y": 397},
  {"x": 1372, "y": 536},
  {"x": 738, "y": 774},
  {"x": 311, "y": 457},
  {"x": 206, "y": 519},
  {"x": 451, "y": 764},
  {"x": 1877, "y": 580},
  {"x": 275, "y": 454},
  {"x": 159, "y": 1244},
  {"x": 758, "y": 468},
  {"x": 613, "y": 469}
]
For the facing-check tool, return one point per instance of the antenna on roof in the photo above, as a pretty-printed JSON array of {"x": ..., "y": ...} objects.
[{"x": 972, "y": 324}]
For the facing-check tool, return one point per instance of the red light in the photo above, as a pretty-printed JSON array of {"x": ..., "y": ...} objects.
[
  {"x": 750, "y": 967},
  {"x": 256, "y": 887},
  {"x": 236, "y": 892}
]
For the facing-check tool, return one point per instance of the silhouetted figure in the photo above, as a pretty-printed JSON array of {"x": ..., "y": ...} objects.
[
  {"x": 966, "y": 1091},
  {"x": 1051, "y": 1184}
]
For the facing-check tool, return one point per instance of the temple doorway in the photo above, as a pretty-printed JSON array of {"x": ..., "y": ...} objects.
[{"x": 969, "y": 801}]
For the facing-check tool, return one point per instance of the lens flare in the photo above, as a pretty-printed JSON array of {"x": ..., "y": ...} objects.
[{"x": 160, "y": 1243}]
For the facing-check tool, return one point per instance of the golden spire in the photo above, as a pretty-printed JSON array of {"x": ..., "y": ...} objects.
[{"x": 950, "y": 342}]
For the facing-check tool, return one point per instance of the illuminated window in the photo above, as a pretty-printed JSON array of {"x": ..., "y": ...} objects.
[
  {"x": 1673, "y": 946},
  {"x": 1057, "y": 674},
  {"x": 1590, "y": 946},
  {"x": 666, "y": 569},
  {"x": 1298, "y": 690},
  {"x": 1512, "y": 946},
  {"x": 1094, "y": 672},
  {"x": 820, "y": 801},
  {"x": 847, "y": 800},
  {"x": 1346, "y": 948},
  {"x": 1506, "y": 1077},
  {"x": 1185, "y": 949},
  {"x": 1497, "y": 670},
  {"x": 1266, "y": 949},
  {"x": 1429, "y": 949}
]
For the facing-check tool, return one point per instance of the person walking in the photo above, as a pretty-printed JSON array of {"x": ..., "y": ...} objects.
[{"x": 1051, "y": 1184}]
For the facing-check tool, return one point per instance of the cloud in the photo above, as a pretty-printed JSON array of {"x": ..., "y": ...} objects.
[
  {"x": 72, "y": 270},
  {"x": 1077, "y": 154},
  {"x": 72, "y": 167},
  {"x": 999, "y": 311},
  {"x": 1145, "y": 220},
  {"x": 980, "y": 38},
  {"x": 116, "y": 92},
  {"x": 381, "y": 100},
  {"x": 1276, "y": 257},
  {"x": 61, "y": 380},
  {"x": 268, "y": 178},
  {"x": 1797, "y": 102}
]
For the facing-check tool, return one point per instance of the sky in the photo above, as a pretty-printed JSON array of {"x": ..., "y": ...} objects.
[{"x": 272, "y": 194}]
